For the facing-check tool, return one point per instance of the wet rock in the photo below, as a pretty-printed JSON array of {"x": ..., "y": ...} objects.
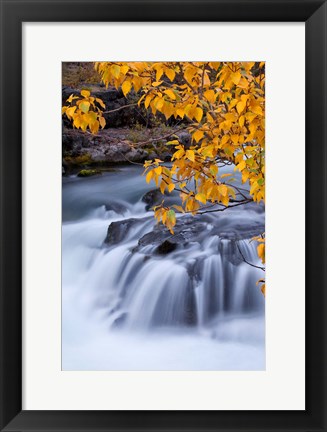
[
  {"x": 186, "y": 230},
  {"x": 116, "y": 207},
  {"x": 117, "y": 231},
  {"x": 184, "y": 138},
  {"x": 152, "y": 198},
  {"x": 165, "y": 156},
  {"x": 106, "y": 147},
  {"x": 189, "y": 229},
  {"x": 88, "y": 172},
  {"x": 152, "y": 155},
  {"x": 136, "y": 155},
  {"x": 166, "y": 247},
  {"x": 229, "y": 250}
]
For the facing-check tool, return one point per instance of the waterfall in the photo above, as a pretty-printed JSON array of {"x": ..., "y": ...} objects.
[{"x": 118, "y": 281}]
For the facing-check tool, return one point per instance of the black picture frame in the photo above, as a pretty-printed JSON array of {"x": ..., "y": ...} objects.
[{"x": 13, "y": 14}]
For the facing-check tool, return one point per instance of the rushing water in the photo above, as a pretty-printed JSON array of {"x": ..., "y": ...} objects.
[{"x": 127, "y": 307}]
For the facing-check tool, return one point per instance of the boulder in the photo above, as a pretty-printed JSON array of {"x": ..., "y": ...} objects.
[
  {"x": 166, "y": 247},
  {"x": 184, "y": 138},
  {"x": 117, "y": 231},
  {"x": 152, "y": 198}
]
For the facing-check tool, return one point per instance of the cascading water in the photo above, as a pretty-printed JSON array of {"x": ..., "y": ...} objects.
[{"x": 136, "y": 298}]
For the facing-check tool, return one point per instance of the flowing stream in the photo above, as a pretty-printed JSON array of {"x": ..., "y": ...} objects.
[{"x": 133, "y": 300}]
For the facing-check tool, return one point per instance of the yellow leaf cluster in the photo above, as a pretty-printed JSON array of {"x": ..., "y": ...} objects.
[
  {"x": 85, "y": 112},
  {"x": 223, "y": 104}
]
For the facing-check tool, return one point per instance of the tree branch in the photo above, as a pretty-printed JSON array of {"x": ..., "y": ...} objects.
[
  {"x": 247, "y": 262},
  {"x": 120, "y": 108}
]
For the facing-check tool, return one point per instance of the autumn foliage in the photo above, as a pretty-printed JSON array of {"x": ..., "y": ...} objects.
[{"x": 221, "y": 104}]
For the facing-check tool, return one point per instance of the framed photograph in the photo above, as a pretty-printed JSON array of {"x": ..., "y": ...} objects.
[{"x": 163, "y": 215}]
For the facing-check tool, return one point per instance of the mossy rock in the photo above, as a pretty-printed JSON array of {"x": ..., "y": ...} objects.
[
  {"x": 84, "y": 159},
  {"x": 88, "y": 172}
]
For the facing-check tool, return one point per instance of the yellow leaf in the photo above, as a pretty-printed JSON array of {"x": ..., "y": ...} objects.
[
  {"x": 190, "y": 155},
  {"x": 149, "y": 176},
  {"x": 235, "y": 77},
  {"x": 148, "y": 100},
  {"x": 162, "y": 187},
  {"x": 254, "y": 187},
  {"x": 245, "y": 176},
  {"x": 260, "y": 281},
  {"x": 70, "y": 111},
  {"x": 240, "y": 106},
  {"x": 79, "y": 121},
  {"x": 241, "y": 121},
  {"x": 210, "y": 95},
  {"x": 189, "y": 74},
  {"x": 208, "y": 151},
  {"x": 223, "y": 189},
  {"x": 147, "y": 163},
  {"x": 90, "y": 117},
  {"x": 232, "y": 104},
  {"x": 94, "y": 127},
  {"x": 170, "y": 93},
  {"x": 156, "y": 83},
  {"x": 261, "y": 252},
  {"x": 225, "y": 139},
  {"x": 173, "y": 142},
  {"x": 164, "y": 217},
  {"x": 198, "y": 113},
  {"x": 250, "y": 116},
  {"x": 167, "y": 109},
  {"x": 100, "y": 102},
  {"x": 201, "y": 197},
  {"x": 171, "y": 216},
  {"x": 198, "y": 135},
  {"x": 225, "y": 200},
  {"x": 231, "y": 191},
  {"x": 85, "y": 93},
  {"x": 170, "y": 74},
  {"x": 256, "y": 109},
  {"x": 225, "y": 175},
  {"x": 234, "y": 138},
  {"x": 214, "y": 170},
  {"x": 158, "y": 170},
  {"x": 158, "y": 103},
  {"x": 71, "y": 98},
  {"x": 102, "y": 122},
  {"x": 84, "y": 106},
  {"x": 241, "y": 165},
  {"x": 126, "y": 87},
  {"x": 115, "y": 70},
  {"x": 124, "y": 69},
  {"x": 159, "y": 73},
  {"x": 179, "y": 208},
  {"x": 178, "y": 154},
  {"x": 171, "y": 187},
  {"x": 137, "y": 83}
]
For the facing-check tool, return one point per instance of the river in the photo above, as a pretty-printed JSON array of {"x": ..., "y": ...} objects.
[{"x": 126, "y": 305}]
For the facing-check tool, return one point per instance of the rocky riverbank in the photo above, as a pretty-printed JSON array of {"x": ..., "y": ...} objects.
[{"x": 131, "y": 135}]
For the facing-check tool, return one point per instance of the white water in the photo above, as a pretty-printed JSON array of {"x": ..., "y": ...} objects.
[{"x": 195, "y": 308}]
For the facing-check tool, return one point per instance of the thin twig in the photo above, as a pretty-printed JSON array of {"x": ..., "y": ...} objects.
[
  {"x": 120, "y": 108},
  {"x": 134, "y": 163},
  {"x": 226, "y": 207},
  {"x": 247, "y": 262}
]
